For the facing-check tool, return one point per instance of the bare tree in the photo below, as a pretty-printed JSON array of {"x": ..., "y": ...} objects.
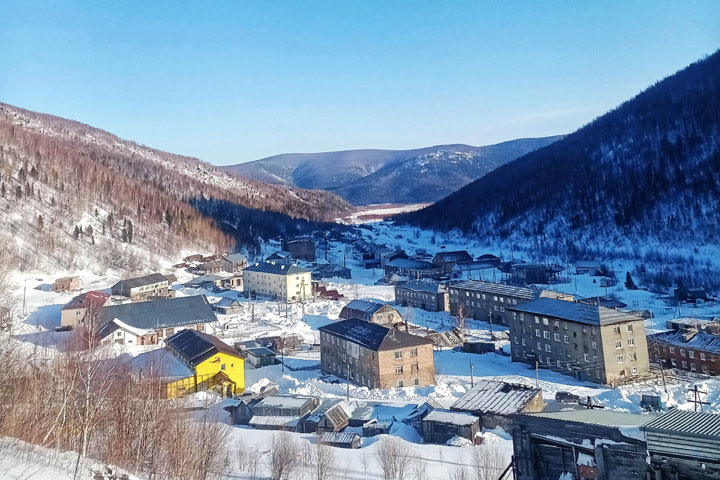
[
  {"x": 394, "y": 458},
  {"x": 487, "y": 463},
  {"x": 284, "y": 456},
  {"x": 324, "y": 459}
]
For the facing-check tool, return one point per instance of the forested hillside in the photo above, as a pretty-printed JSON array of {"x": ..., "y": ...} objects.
[
  {"x": 73, "y": 195},
  {"x": 648, "y": 169}
]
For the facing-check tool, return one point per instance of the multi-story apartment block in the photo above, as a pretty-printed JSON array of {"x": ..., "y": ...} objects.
[
  {"x": 374, "y": 356},
  {"x": 690, "y": 350},
  {"x": 488, "y": 301},
  {"x": 589, "y": 342},
  {"x": 424, "y": 294},
  {"x": 155, "y": 285},
  {"x": 288, "y": 283}
]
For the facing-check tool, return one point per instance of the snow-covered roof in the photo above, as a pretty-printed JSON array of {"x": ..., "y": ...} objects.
[
  {"x": 275, "y": 268},
  {"x": 706, "y": 342},
  {"x": 373, "y": 336},
  {"x": 497, "y": 289},
  {"x": 448, "y": 416},
  {"x": 164, "y": 313},
  {"x": 575, "y": 312},
  {"x": 143, "y": 281},
  {"x": 686, "y": 422},
  {"x": 273, "y": 421},
  {"x": 235, "y": 258},
  {"x": 196, "y": 347},
  {"x": 226, "y": 302},
  {"x": 346, "y": 438},
  {"x": 411, "y": 264},
  {"x": 456, "y": 256},
  {"x": 285, "y": 401},
  {"x": 427, "y": 286},
  {"x": 87, "y": 300},
  {"x": 134, "y": 330},
  {"x": 490, "y": 396},
  {"x": 608, "y": 418}
]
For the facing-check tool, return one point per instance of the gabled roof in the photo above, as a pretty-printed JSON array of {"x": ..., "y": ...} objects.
[
  {"x": 196, "y": 347},
  {"x": 235, "y": 258},
  {"x": 209, "y": 278},
  {"x": 683, "y": 422},
  {"x": 275, "y": 268},
  {"x": 284, "y": 401},
  {"x": 151, "y": 279},
  {"x": 345, "y": 438},
  {"x": 575, "y": 312},
  {"x": 368, "y": 307},
  {"x": 607, "y": 302},
  {"x": 497, "y": 289},
  {"x": 171, "y": 312},
  {"x": 280, "y": 254},
  {"x": 373, "y": 336},
  {"x": 409, "y": 263},
  {"x": 454, "y": 256},
  {"x": 691, "y": 340},
  {"x": 448, "y": 416},
  {"x": 596, "y": 416},
  {"x": 91, "y": 299},
  {"x": 226, "y": 302},
  {"x": 490, "y": 396}
]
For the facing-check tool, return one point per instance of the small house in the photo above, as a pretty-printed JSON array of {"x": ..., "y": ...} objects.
[
  {"x": 607, "y": 302},
  {"x": 373, "y": 311},
  {"x": 281, "y": 257},
  {"x": 690, "y": 294},
  {"x": 529, "y": 273},
  {"x": 340, "y": 439},
  {"x": 282, "y": 412},
  {"x": 478, "y": 346},
  {"x": 255, "y": 354},
  {"x": 328, "y": 270},
  {"x": 235, "y": 281},
  {"x": 414, "y": 419},
  {"x": 330, "y": 416},
  {"x": 439, "y": 426},
  {"x": 301, "y": 248},
  {"x": 207, "y": 268},
  {"x": 67, "y": 284},
  {"x": 227, "y": 306},
  {"x": 446, "y": 260},
  {"x": 584, "y": 267},
  {"x": 241, "y": 407},
  {"x": 154, "y": 285},
  {"x": 492, "y": 401},
  {"x": 76, "y": 310},
  {"x": 411, "y": 268},
  {"x": 210, "y": 282},
  {"x": 234, "y": 263}
]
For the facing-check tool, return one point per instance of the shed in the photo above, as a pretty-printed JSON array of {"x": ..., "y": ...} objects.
[
  {"x": 371, "y": 310},
  {"x": 340, "y": 439},
  {"x": 439, "y": 426},
  {"x": 685, "y": 434},
  {"x": 259, "y": 357},
  {"x": 330, "y": 416},
  {"x": 493, "y": 400},
  {"x": 227, "y": 306},
  {"x": 478, "y": 346}
]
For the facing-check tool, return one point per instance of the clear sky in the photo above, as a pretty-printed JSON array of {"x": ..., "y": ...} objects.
[{"x": 235, "y": 81}]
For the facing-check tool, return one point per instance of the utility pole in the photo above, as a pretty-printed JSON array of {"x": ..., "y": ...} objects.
[
  {"x": 347, "y": 377},
  {"x": 537, "y": 374},
  {"x": 325, "y": 235},
  {"x": 282, "y": 355},
  {"x": 696, "y": 398},
  {"x": 472, "y": 378}
]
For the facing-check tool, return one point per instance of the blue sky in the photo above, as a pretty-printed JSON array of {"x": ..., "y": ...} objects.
[{"x": 235, "y": 81}]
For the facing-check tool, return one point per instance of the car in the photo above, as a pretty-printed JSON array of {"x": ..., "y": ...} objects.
[{"x": 63, "y": 328}]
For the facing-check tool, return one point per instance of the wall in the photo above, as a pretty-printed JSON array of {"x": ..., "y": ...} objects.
[{"x": 425, "y": 373}]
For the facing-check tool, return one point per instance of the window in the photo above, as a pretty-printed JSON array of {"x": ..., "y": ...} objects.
[
  {"x": 566, "y": 339},
  {"x": 702, "y": 356},
  {"x": 557, "y": 337},
  {"x": 495, "y": 298},
  {"x": 705, "y": 369},
  {"x": 634, "y": 370},
  {"x": 539, "y": 346},
  {"x": 683, "y": 352},
  {"x": 537, "y": 332},
  {"x": 548, "y": 348},
  {"x": 398, "y": 369},
  {"x": 416, "y": 381},
  {"x": 516, "y": 341},
  {"x": 672, "y": 349},
  {"x": 546, "y": 334},
  {"x": 400, "y": 384},
  {"x": 629, "y": 327},
  {"x": 620, "y": 359},
  {"x": 633, "y": 357},
  {"x": 413, "y": 352},
  {"x": 523, "y": 342},
  {"x": 522, "y": 317},
  {"x": 545, "y": 321},
  {"x": 594, "y": 345},
  {"x": 222, "y": 367},
  {"x": 631, "y": 342},
  {"x": 564, "y": 325},
  {"x": 616, "y": 330},
  {"x": 586, "y": 357},
  {"x": 618, "y": 343},
  {"x": 169, "y": 331},
  {"x": 537, "y": 320},
  {"x": 691, "y": 354},
  {"x": 414, "y": 367},
  {"x": 398, "y": 354},
  {"x": 673, "y": 362},
  {"x": 684, "y": 364},
  {"x": 556, "y": 323},
  {"x": 514, "y": 302}
]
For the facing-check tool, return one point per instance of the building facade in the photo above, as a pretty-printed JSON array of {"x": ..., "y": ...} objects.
[
  {"x": 413, "y": 269},
  {"x": 67, "y": 284},
  {"x": 424, "y": 294},
  {"x": 689, "y": 350},
  {"x": 138, "y": 289},
  {"x": 302, "y": 248},
  {"x": 446, "y": 260},
  {"x": 234, "y": 263},
  {"x": 374, "y": 356},
  {"x": 371, "y": 311},
  {"x": 288, "y": 283},
  {"x": 589, "y": 342},
  {"x": 75, "y": 311}
]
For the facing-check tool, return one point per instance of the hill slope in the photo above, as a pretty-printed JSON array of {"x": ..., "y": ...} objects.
[
  {"x": 58, "y": 176},
  {"x": 389, "y": 176},
  {"x": 648, "y": 169}
]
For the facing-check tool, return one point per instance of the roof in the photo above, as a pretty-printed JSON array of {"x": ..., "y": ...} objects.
[
  {"x": 587, "y": 264},
  {"x": 259, "y": 352},
  {"x": 691, "y": 340},
  {"x": 686, "y": 423},
  {"x": 211, "y": 277},
  {"x": 235, "y": 258},
  {"x": 373, "y": 336},
  {"x": 409, "y": 263},
  {"x": 275, "y": 268},
  {"x": 454, "y": 256},
  {"x": 575, "y": 312},
  {"x": 163, "y": 313},
  {"x": 607, "y": 302},
  {"x": 608, "y": 418},
  {"x": 151, "y": 279},
  {"x": 226, "y": 302},
  {"x": 274, "y": 421},
  {"x": 497, "y": 289},
  {"x": 427, "y": 286},
  {"x": 331, "y": 407},
  {"x": 368, "y": 307},
  {"x": 87, "y": 300},
  {"x": 490, "y": 396},
  {"x": 284, "y": 401},
  {"x": 196, "y": 347},
  {"x": 282, "y": 254},
  {"x": 474, "y": 265},
  {"x": 339, "y": 437},
  {"x": 134, "y": 330},
  {"x": 448, "y": 416}
]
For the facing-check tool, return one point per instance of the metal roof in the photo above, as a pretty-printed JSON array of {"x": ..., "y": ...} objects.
[
  {"x": 455, "y": 256},
  {"x": 151, "y": 279},
  {"x": 275, "y": 268},
  {"x": 575, "y": 312},
  {"x": 235, "y": 258},
  {"x": 490, "y": 396},
  {"x": 373, "y": 336},
  {"x": 274, "y": 421},
  {"x": 411, "y": 264},
  {"x": 686, "y": 423},
  {"x": 608, "y": 418},
  {"x": 427, "y": 286},
  {"x": 448, "y": 416},
  {"x": 497, "y": 289},
  {"x": 196, "y": 347},
  {"x": 284, "y": 401},
  {"x": 260, "y": 352},
  {"x": 691, "y": 340},
  {"x": 366, "y": 308},
  {"x": 164, "y": 313},
  {"x": 339, "y": 437},
  {"x": 226, "y": 302},
  {"x": 87, "y": 300}
]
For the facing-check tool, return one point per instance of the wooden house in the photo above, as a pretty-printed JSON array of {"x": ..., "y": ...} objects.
[
  {"x": 446, "y": 260},
  {"x": 67, "y": 284},
  {"x": 690, "y": 294},
  {"x": 155, "y": 285},
  {"x": 371, "y": 310},
  {"x": 340, "y": 439},
  {"x": 214, "y": 266},
  {"x": 439, "y": 426},
  {"x": 492, "y": 401},
  {"x": 281, "y": 257},
  {"x": 282, "y": 412},
  {"x": 587, "y": 267},
  {"x": 330, "y": 416},
  {"x": 228, "y": 306}
]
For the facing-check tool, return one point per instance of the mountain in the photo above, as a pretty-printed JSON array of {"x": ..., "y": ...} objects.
[
  {"x": 365, "y": 177},
  {"x": 76, "y": 196},
  {"x": 649, "y": 169}
]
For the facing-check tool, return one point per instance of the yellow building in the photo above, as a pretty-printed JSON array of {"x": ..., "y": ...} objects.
[{"x": 212, "y": 364}]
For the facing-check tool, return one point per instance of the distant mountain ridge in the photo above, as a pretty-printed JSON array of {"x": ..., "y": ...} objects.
[
  {"x": 648, "y": 169},
  {"x": 366, "y": 177}
]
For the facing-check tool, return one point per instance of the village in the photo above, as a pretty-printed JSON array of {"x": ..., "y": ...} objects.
[{"x": 341, "y": 338}]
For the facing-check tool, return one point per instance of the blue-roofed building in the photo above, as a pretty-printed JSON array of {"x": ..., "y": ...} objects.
[
  {"x": 289, "y": 283},
  {"x": 589, "y": 342}
]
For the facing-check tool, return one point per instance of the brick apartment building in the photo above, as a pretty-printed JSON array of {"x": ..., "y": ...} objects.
[
  {"x": 689, "y": 350},
  {"x": 589, "y": 342},
  {"x": 374, "y": 356},
  {"x": 424, "y": 294}
]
